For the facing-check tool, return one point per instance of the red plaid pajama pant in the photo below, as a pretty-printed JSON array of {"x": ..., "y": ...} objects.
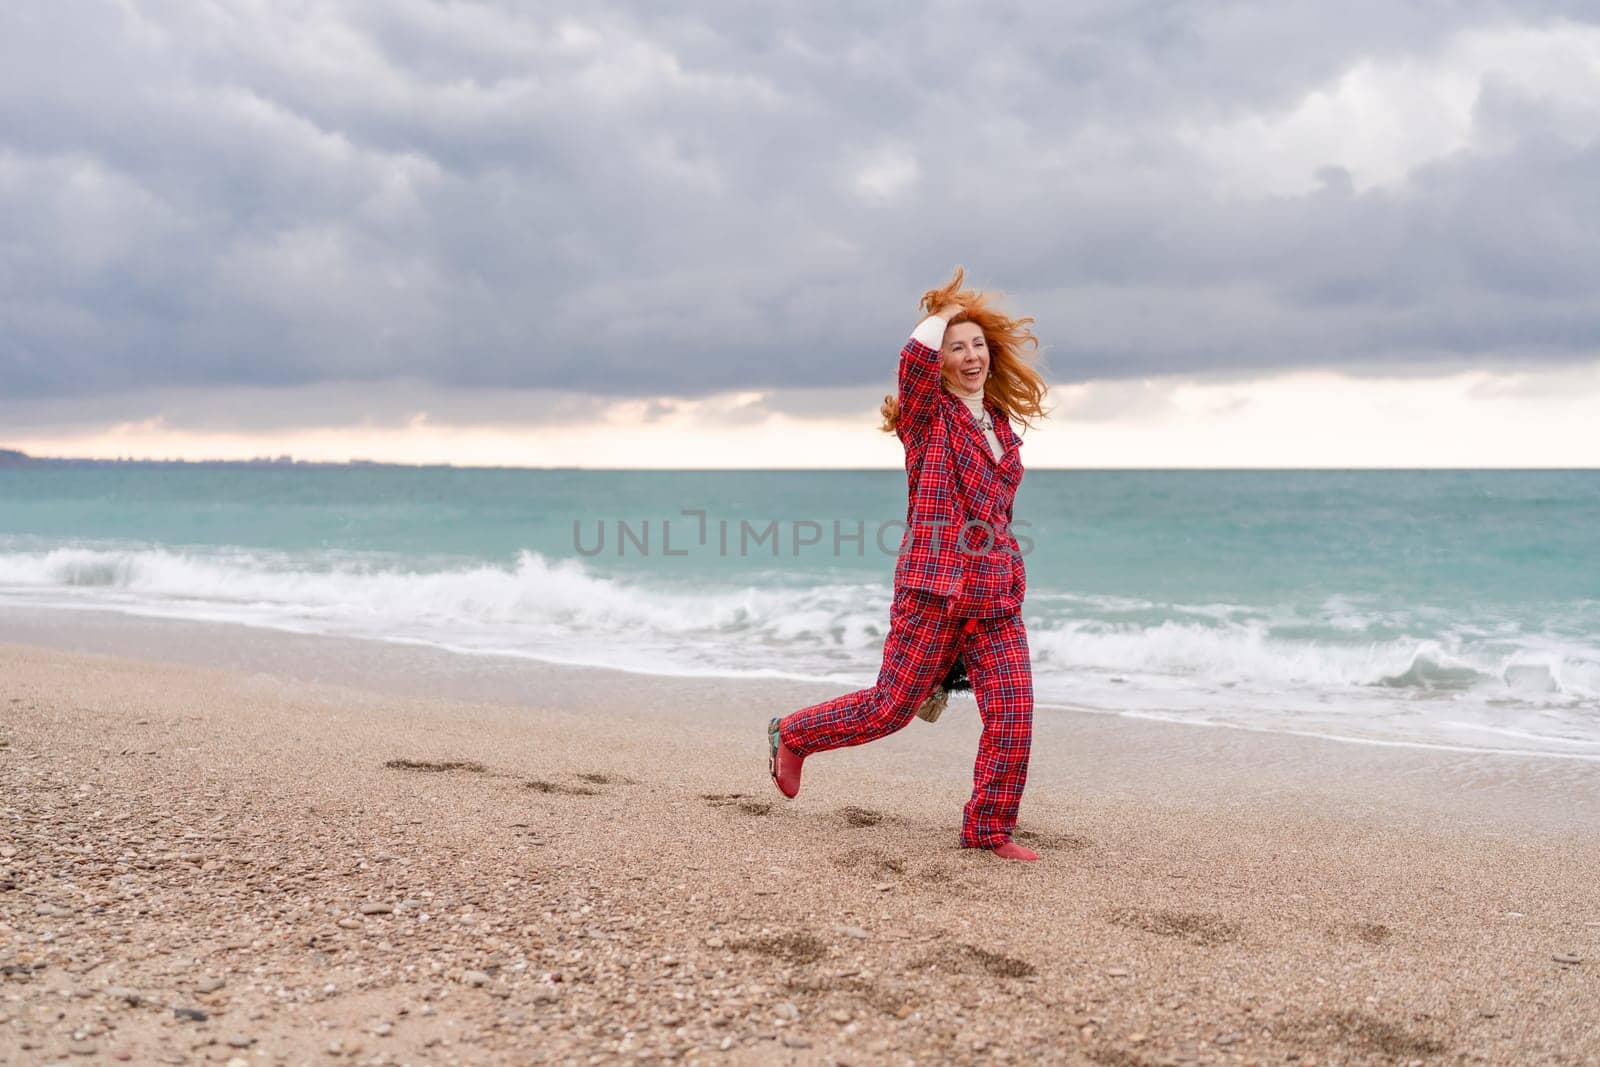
[{"x": 922, "y": 643}]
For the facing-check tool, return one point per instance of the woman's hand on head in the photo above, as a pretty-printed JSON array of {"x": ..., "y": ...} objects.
[
  {"x": 934, "y": 301},
  {"x": 950, "y": 310}
]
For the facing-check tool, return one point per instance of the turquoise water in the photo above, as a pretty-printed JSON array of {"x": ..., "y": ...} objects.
[{"x": 1438, "y": 607}]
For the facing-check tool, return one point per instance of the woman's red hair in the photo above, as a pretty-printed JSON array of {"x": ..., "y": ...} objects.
[{"x": 1013, "y": 382}]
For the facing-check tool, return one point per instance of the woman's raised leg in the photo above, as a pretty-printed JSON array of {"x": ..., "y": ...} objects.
[{"x": 916, "y": 654}]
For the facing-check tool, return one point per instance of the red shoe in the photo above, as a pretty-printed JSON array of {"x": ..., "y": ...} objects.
[
  {"x": 783, "y": 764},
  {"x": 1010, "y": 850}
]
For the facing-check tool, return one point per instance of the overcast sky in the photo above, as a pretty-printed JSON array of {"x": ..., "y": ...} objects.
[{"x": 639, "y": 233}]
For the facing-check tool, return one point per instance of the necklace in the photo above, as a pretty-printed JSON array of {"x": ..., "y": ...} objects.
[{"x": 980, "y": 414}]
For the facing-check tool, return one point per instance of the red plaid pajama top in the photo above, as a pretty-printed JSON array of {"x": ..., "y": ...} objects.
[{"x": 958, "y": 542}]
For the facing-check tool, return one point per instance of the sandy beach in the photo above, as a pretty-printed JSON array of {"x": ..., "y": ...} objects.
[{"x": 248, "y": 847}]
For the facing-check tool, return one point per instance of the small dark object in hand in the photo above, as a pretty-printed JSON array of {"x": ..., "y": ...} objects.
[{"x": 955, "y": 681}]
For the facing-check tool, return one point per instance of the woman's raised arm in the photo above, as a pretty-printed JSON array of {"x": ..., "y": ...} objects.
[{"x": 921, "y": 361}]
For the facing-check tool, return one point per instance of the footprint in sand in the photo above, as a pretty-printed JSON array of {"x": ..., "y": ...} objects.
[
  {"x": 1197, "y": 928},
  {"x": 597, "y": 778},
  {"x": 739, "y": 801},
  {"x": 880, "y": 864},
  {"x": 539, "y": 785},
  {"x": 961, "y": 958},
  {"x": 851, "y": 985},
  {"x": 1352, "y": 1030},
  {"x": 854, "y": 816},
  {"x": 791, "y": 947},
  {"x": 1367, "y": 933},
  {"x": 436, "y": 766},
  {"x": 1110, "y": 1056}
]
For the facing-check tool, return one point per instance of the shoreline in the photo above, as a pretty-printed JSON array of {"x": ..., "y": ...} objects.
[
  {"x": 1134, "y": 756},
  {"x": 606, "y": 871},
  {"x": 1343, "y": 739},
  {"x": 23, "y": 624}
]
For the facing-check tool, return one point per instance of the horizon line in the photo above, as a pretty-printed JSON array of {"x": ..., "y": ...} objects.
[{"x": 289, "y": 461}]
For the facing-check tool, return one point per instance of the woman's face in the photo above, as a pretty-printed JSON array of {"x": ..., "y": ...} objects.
[{"x": 966, "y": 356}]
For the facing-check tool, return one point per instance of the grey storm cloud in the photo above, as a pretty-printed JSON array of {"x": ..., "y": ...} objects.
[{"x": 622, "y": 199}]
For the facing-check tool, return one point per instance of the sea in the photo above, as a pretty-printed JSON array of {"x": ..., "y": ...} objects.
[{"x": 1448, "y": 608}]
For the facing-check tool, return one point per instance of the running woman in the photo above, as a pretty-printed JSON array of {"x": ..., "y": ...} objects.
[{"x": 959, "y": 580}]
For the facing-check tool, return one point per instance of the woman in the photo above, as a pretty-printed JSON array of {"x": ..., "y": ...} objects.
[{"x": 959, "y": 580}]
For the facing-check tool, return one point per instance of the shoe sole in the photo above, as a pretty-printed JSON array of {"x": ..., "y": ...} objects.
[
  {"x": 773, "y": 741},
  {"x": 772, "y": 755}
]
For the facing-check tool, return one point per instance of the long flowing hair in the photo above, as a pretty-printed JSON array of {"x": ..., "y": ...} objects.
[{"x": 1014, "y": 385}]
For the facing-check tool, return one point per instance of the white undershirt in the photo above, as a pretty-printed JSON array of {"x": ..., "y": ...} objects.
[{"x": 930, "y": 332}]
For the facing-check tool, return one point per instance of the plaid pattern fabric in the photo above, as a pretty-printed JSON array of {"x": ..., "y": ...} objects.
[
  {"x": 957, "y": 542},
  {"x": 924, "y": 639}
]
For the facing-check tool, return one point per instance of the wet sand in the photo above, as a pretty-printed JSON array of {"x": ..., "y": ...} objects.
[{"x": 223, "y": 844}]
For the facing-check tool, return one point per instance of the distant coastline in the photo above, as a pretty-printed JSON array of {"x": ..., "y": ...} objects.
[{"x": 11, "y": 458}]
